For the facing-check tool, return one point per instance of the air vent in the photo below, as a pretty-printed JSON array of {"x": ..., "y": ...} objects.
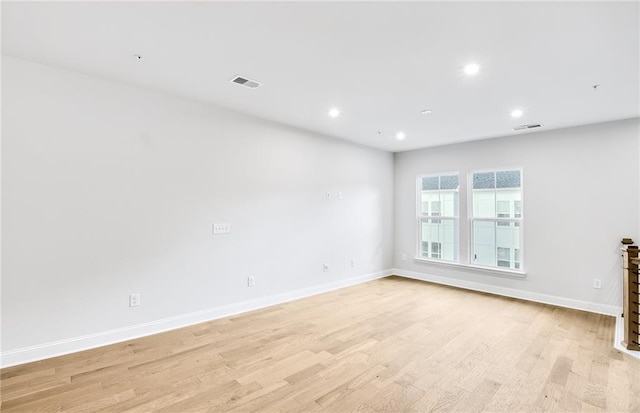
[
  {"x": 529, "y": 126},
  {"x": 243, "y": 81}
]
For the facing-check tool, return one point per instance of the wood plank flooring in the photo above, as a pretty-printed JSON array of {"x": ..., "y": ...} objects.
[{"x": 391, "y": 345}]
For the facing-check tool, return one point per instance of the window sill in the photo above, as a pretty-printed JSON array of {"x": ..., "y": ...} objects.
[{"x": 478, "y": 268}]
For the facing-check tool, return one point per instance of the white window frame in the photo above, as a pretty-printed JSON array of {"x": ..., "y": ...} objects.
[
  {"x": 465, "y": 232},
  {"x": 420, "y": 217},
  {"x": 520, "y": 271}
]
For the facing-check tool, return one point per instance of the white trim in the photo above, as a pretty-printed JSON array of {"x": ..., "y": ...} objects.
[
  {"x": 89, "y": 341},
  {"x": 619, "y": 337},
  {"x": 592, "y": 307},
  {"x": 478, "y": 268}
]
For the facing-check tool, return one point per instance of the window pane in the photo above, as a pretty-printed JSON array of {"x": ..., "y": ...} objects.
[
  {"x": 443, "y": 233},
  {"x": 439, "y": 195},
  {"x": 508, "y": 179},
  {"x": 492, "y": 188},
  {"x": 503, "y": 253},
  {"x": 492, "y": 244},
  {"x": 436, "y": 249},
  {"x": 484, "y": 243},
  {"x": 424, "y": 250},
  {"x": 484, "y": 203},
  {"x": 430, "y": 183},
  {"x": 503, "y": 209},
  {"x": 449, "y": 182},
  {"x": 484, "y": 180},
  {"x": 517, "y": 209},
  {"x": 435, "y": 208},
  {"x": 435, "y": 211}
]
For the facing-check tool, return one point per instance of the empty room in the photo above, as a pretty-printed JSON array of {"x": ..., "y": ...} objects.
[{"x": 320, "y": 206}]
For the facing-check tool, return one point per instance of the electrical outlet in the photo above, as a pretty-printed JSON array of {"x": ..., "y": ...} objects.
[
  {"x": 339, "y": 195},
  {"x": 328, "y": 195},
  {"x": 404, "y": 257},
  {"x": 597, "y": 283},
  {"x": 134, "y": 300},
  {"x": 353, "y": 263},
  {"x": 251, "y": 281},
  {"x": 325, "y": 267},
  {"x": 222, "y": 228}
]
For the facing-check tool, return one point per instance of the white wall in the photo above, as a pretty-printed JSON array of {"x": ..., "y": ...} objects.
[
  {"x": 109, "y": 189},
  {"x": 580, "y": 199}
]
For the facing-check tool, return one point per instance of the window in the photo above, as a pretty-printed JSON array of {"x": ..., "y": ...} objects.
[
  {"x": 504, "y": 257},
  {"x": 435, "y": 211},
  {"x": 495, "y": 230},
  {"x": 517, "y": 211},
  {"x": 436, "y": 250},
  {"x": 504, "y": 211},
  {"x": 438, "y": 197}
]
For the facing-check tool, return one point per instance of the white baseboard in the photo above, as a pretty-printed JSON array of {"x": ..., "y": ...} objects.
[
  {"x": 611, "y": 310},
  {"x": 75, "y": 344},
  {"x": 619, "y": 337},
  {"x": 86, "y": 342}
]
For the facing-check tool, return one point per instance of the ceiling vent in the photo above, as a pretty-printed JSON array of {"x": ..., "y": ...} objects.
[
  {"x": 529, "y": 126},
  {"x": 243, "y": 81}
]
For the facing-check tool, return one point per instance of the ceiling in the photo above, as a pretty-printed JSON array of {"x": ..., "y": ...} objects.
[{"x": 379, "y": 63}]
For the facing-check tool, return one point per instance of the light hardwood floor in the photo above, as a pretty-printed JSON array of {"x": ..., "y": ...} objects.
[{"x": 389, "y": 345}]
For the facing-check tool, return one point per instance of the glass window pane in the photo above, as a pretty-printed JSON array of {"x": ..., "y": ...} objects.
[
  {"x": 449, "y": 182},
  {"x": 517, "y": 209},
  {"x": 444, "y": 233},
  {"x": 424, "y": 249},
  {"x": 484, "y": 243},
  {"x": 440, "y": 192},
  {"x": 503, "y": 254},
  {"x": 503, "y": 209},
  {"x": 484, "y": 180},
  {"x": 430, "y": 183},
  {"x": 508, "y": 179},
  {"x": 484, "y": 203},
  {"x": 436, "y": 249},
  {"x": 435, "y": 208},
  {"x": 492, "y": 244},
  {"x": 449, "y": 201}
]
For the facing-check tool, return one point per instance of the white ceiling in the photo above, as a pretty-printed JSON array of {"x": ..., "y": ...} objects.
[{"x": 380, "y": 63}]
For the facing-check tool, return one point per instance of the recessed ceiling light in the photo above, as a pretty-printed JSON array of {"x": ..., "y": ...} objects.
[
  {"x": 516, "y": 113},
  {"x": 471, "y": 69},
  {"x": 425, "y": 112},
  {"x": 400, "y": 136},
  {"x": 334, "y": 112}
]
